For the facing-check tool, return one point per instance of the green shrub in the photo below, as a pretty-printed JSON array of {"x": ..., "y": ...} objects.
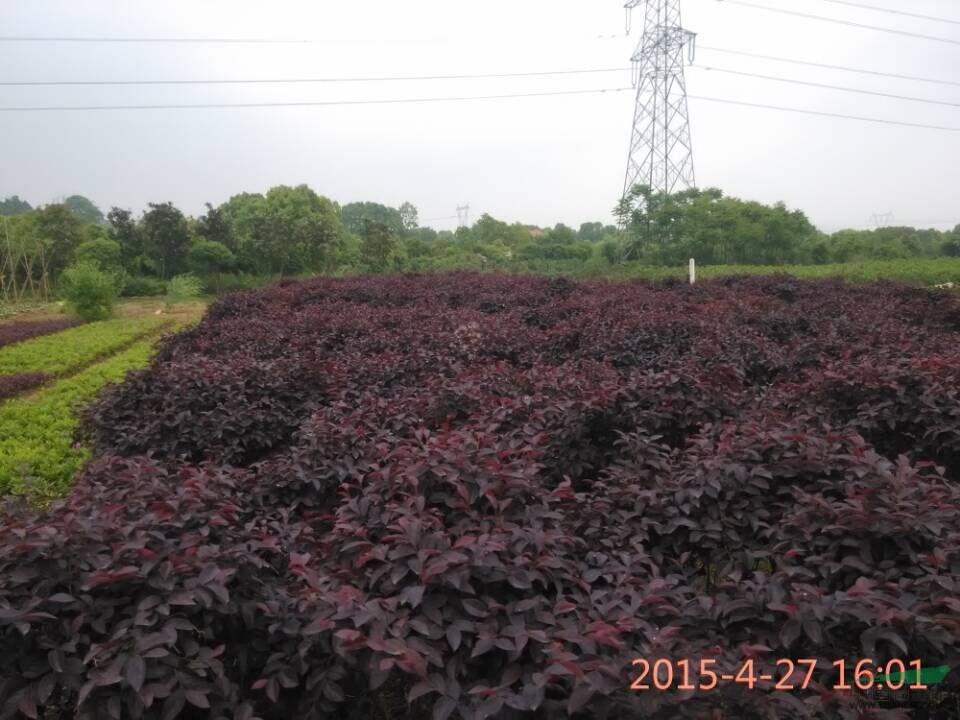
[
  {"x": 182, "y": 288},
  {"x": 139, "y": 286},
  {"x": 90, "y": 292}
]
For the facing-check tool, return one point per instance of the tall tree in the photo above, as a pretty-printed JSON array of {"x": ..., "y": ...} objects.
[
  {"x": 213, "y": 226},
  {"x": 167, "y": 238},
  {"x": 84, "y": 209},
  {"x": 14, "y": 206},
  {"x": 376, "y": 244},
  {"x": 122, "y": 229},
  {"x": 354, "y": 215},
  {"x": 409, "y": 217},
  {"x": 61, "y": 231},
  {"x": 289, "y": 230}
]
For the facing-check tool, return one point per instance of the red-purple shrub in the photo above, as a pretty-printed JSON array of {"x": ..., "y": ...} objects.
[
  {"x": 13, "y": 332},
  {"x": 11, "y": 385},
  {"x": 233, "y": 412},
  {"x": 478, "y": 496}
]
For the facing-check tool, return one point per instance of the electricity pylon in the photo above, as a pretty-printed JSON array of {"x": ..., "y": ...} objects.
[
  {"x": 463, "y": 216},
  {"x": 661, "y": 151}
]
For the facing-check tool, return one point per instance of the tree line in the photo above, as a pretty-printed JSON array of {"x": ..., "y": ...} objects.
[{"x": 291, "y": 231}]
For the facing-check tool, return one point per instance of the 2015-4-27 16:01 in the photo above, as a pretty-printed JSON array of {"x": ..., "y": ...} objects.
[{"x": 664, "y": 674}]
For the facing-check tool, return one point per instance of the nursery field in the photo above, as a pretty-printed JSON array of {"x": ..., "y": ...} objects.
[
  {"x": 52, "y": 366},
  {"x": 485, "y": 496}
]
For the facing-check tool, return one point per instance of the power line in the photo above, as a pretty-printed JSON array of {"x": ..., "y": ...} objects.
[
  {"x": 464, "y": 76},
  {"x": 829, "y": 67},
  {"x": 192, "y": 106},
  {"x": 860, "y": 91},
  {"x": 864, "y": 6},
  {"x": 195, "y": 106},
  {"x": 177, "y": 40},
  {"x": 389, "y": 78},
  {"x": 849, "y": 23},
  {"x": 825, "y": 114}
]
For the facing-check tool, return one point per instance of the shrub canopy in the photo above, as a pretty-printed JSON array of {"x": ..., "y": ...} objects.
[{"x": 479, "y": 496}]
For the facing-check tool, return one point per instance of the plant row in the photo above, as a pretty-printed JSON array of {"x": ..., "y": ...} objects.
[
  {"x": 38, "y": 451},
  {"x": 12, "y": 385},
  {"x": 482, "y": 496},
  {"x": 65, "y": 351},
  {"x": 14, "y": 332}
]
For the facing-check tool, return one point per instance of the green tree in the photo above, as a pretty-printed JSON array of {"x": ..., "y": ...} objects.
[
  {"x": 594, "y": 231},
  {"x": 209, "y": 257},
  {"x": 213, "y": 226},
  {"x": 704, "y": 224},
  {"x": 376, "y": 245},
  {"x": 14, "y": 206},
  {"x": 354, "y": 215},
  {"x": 105, "y": 253},
  {"x": 61, "y": 231},
  {"x": 84, "y": 209},
  {"x": 287, "y": 231},
  {"x": 122, "y": 228},
  {"x": 166, "y": 237}
]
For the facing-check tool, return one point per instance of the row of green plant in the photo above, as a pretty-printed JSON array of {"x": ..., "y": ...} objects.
[
  {"x": 68, "y": 350},
  {"x": 38, "y": 451}
]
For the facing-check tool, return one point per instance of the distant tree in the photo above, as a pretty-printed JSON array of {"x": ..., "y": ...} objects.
[
  {"x": 409, "y": 217},
  {"x": 426, "y": 234},
  {"x": 61, "y": 231},
  {"x": 122, "y": 228},
  {"x": 592, "y": 231},
  {"x": 166, "y": 237},
  {"x": 106, "y": 254},
  {"x": 354, "y": 215},
  {"x": 209, "y": 257},
  {"x": 84, "y": 209},
  {"x": 287, "y": 231},
  {"x": 14, "y": 206},
  {"x": 488, "y": 231},
  {"x": 213, "y": 226},
  {"x": 376, "y": 245},
  {"x": 561, "y": 234},
  {"x": 704, "y": 224}
]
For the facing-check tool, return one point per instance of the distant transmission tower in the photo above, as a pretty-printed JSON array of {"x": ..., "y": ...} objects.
[
  {"x": 661, "y": 152},
  {"x": 463, "y": 216},
  {"x": 882, "y": 219}
]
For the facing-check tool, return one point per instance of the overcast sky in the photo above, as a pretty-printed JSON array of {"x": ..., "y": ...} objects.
[{"x": 540, "y": 160}]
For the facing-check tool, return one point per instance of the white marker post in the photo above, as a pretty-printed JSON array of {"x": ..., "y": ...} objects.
[{"x": 693, "y": 271}]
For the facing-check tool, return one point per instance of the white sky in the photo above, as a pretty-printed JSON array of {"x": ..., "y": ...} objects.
[{"x": 538, "y": 160}]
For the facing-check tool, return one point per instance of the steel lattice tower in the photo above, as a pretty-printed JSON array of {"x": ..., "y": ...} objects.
[{"x": 661, "y": 152}]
